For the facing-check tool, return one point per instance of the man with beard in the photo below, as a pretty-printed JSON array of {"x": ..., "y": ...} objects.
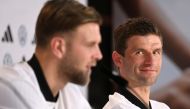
[
  {"x": 68, "y": 37},
  {"x": 138, "y": 58}
]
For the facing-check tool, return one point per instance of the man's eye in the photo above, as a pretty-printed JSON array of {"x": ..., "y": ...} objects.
[
  {"x": 139, "y": 53},
  {"x": 157, "y": 52},
  {"x": 90, "y": 45}
]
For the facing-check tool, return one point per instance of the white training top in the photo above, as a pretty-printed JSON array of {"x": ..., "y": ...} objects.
[
  {"x": 19, "y": 89},
  {"x": 118, "y": 101}
]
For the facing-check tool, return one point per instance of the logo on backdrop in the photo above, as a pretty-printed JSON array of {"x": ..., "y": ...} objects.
[
  {"x": 7, "y": 35},
  {"x": 23, "y": 58},
  {"x": 22, "y": 35},
  {"x": 7, "y": 59}
]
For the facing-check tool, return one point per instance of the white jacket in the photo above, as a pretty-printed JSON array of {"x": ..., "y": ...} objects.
[
  {"x": 19, "y": 89},
  {"x": 118, "y": 101}
]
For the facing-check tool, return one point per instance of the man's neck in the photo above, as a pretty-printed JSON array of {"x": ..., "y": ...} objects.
[
  {"x": 50, "y": 72},
  {"x": 142, "y": 93}
]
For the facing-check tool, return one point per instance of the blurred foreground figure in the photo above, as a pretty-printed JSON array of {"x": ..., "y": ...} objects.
[{"x": 68, "y": 38}]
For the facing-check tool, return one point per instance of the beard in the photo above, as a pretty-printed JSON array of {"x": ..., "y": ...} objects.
[
  {"x": 79, "y": 78},
  {"x": 69, "y": 68}
]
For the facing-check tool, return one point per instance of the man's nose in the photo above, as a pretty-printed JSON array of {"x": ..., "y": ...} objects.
[
  {"x": 98, "y": 54},
  {"x": 149, "y": 59}
]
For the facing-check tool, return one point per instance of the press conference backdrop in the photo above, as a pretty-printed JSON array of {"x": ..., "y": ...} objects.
[{"x": 17, "y": 23}]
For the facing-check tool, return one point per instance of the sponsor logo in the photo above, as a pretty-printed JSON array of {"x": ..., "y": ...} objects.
[
  {"x": 7, "y": 35},
  {"x": 23, "y": 59},
  {"x": 7, "y": 60},
  {"x": 22, "y": 35}
]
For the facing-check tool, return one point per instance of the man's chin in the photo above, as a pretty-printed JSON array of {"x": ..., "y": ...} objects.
[{"x": 83, "y": 81}]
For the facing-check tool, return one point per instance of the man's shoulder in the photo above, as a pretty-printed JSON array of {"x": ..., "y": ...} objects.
[
  {"x": 118, "y": 101},
  {"x": 72, "y": 94},
  {"x": 19, "y": 95},
  {"x": 158, "y": 105},
  {"x": 17, "y": 89},
  {"x": 16, "y": 72},
  {"x": 19, "y": 77}
]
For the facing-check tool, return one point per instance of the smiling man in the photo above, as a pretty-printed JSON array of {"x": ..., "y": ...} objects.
[{"x": 138, "y": 58}]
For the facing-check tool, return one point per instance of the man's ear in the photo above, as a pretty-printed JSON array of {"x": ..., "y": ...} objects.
[
  {"x": 117, "y": 59},
  {"x": 58, "y": 46}
]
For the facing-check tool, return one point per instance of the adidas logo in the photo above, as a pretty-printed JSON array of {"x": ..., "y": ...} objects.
[{"x": 7, "y": 35}]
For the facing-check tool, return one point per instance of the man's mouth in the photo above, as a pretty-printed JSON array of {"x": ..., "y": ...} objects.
[{"x": 148, "y": 70}]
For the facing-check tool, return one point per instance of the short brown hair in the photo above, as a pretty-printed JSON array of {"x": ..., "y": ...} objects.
[
  {"x": 58, "y": 16},
  {"x": 134, "y": 26}
]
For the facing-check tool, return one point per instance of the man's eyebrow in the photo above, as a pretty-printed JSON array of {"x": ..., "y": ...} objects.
[
  {"x": 158, "y": 49},
  {"x": 138, "y": 49}
]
